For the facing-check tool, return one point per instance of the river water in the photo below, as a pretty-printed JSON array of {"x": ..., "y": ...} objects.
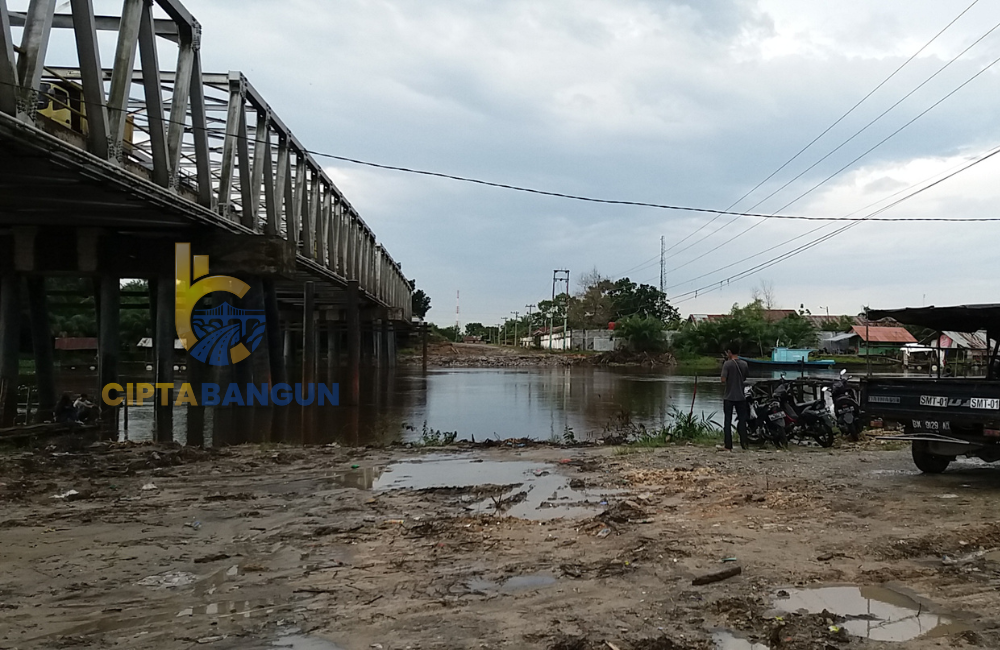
[{"x": 403, "y": 404}]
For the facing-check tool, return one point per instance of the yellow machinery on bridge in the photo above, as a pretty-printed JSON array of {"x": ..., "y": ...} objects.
[{"x": 62, "y": 103}]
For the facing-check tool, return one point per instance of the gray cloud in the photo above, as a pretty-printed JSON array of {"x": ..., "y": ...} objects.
[{"x": 668, "y": 101}]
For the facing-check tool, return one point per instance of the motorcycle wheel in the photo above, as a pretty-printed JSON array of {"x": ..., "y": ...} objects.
[
  {"x": 823, "y": 434},
  {"x": 778, "y": 437}
]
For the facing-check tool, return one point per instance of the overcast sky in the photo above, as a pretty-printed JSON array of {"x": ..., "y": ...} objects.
[{"x": 689, "y": 103}]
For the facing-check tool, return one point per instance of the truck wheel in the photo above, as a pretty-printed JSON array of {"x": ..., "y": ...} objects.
[{"x": 927, "y": 462}]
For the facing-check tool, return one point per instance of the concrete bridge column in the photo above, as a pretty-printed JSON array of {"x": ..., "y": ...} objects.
[
  {"x": 289, "y": 348},
  {"x": 332, "y": 351},
  {"x": 353, "y": 344},
  {"x": 310, "y": 359},
  {"x": 275, "y": 342},
  {"x": 197, "y": 374},
  {"x": 41, "y": 343},
  {"x": 109, "y": 341},
  {"x": 390, "y": 344},
  {"x": 10, "y": 334},
  {"x": 164, "y": 333}
]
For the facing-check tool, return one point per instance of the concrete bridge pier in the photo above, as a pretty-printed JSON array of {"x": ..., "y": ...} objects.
[
  {"x": 275, "y": 339},
  {"x": 353, "y": 344},
  {"x": 310, "y": 358},
  {"x": 164, "y": 334},
  {"x": 109, "y": 341},
  {"x": 10, "y": 328},
  {"x": 41, "y": 344},
  {"x": 332, "y": 350},
  {"x": 388, "y": 343}
]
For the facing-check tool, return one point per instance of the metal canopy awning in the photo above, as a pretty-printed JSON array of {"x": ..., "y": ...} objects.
[{"x": 962, "y": 318}]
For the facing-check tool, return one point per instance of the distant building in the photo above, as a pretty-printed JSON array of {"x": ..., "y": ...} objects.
[{"x": 880, "y": 339}]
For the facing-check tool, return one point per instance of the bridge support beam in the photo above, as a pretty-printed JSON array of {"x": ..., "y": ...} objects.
[
  {"x": 309, "y": 337},
  {"x": 389, "y": 346},
  {"x": 353, "y": 344},
  {"x": 108, "y": 341},
  {"x": 332, "y": 351},
  {"x": 41, "y": 344},
  {"x": 310, "y": 359},
  {"x": 10, "y": 334},
  {"x": 163, "y": 344},
  {"x": 275, "y": 353}
]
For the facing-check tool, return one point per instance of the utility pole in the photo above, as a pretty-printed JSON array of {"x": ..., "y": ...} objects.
[
  {"x": 458, "y": 302},
  {"x": 663, "y": 265},
  {"x": 529, "y": 308},
  {"x": 560, "y": 275},
  {"x": 516, "y": 316}
]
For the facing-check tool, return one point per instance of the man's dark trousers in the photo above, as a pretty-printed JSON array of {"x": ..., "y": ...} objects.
[{"x": 743, "y": 414}]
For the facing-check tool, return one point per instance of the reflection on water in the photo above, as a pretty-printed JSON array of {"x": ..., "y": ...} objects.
[
  {"x": 539, "y": 403},
  {"x": 526, "y": 489},
  {"x": 876, "y": 613}
]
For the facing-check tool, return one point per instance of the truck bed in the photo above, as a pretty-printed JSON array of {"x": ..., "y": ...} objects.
[{"x": 946, "y": 406}]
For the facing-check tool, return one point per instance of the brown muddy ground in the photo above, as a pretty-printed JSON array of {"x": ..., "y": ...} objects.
[{"x": 258, "y": 547}]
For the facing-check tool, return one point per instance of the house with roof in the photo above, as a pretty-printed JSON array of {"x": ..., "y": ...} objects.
[{"x": 878, "y": 339}]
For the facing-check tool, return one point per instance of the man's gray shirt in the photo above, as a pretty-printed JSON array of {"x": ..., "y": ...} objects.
[{"x": 734, "y": 372}]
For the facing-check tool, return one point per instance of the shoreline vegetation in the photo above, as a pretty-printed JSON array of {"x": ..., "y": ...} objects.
[{"x": 482, "y": 355}]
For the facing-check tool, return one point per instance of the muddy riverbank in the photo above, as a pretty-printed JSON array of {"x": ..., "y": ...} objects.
[
  {"x": 144, "y": 546},
  {"x": 479, "y": 355}
]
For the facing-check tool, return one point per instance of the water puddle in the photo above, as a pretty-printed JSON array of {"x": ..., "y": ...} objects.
[
  {"x": 726, "y": 640},
  {"x": 524, "y": 489},
  {"x": 511, "y": 585},
  {"x": 876, "y": 613},
  {"x": 230, "y": 609},
  {"x": 294, "y": 640}
]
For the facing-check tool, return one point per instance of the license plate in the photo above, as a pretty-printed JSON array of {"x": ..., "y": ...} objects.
[
  {"x": 989, "y": 403},
  {"x": 776, "y": 416}
]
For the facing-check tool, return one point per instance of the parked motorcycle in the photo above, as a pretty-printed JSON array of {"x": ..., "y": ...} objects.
[
  {"x": 767, "y": 419},
  {"x": 846, "y": 406},
  {"x": 808, "y": 419}
]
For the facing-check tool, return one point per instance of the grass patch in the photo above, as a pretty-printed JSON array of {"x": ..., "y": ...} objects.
[
  {"x": 435, "y": 437},
  {"x": 682, "y": 428},
  {"x": 701, "y": 365}
]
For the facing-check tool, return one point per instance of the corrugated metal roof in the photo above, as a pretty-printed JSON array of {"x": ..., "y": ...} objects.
[
  {"x": 966, "y": 340},
  {"x": 873, "y": 334}
]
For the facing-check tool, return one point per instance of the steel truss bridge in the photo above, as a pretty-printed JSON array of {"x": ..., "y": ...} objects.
[{"x": 105, "y": 164}]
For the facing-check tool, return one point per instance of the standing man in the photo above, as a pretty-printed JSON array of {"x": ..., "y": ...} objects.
[{"x": 734, "y": 373}]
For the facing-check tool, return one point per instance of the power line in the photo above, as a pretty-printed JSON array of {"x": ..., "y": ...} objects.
[
  {"x": 809, "y": 232},
  {"x": 883, "y": 113},
  {"x": 827, "y": 129},
  {"x": 574, "y": 197},
  {"x": 839, "y": 171},
  {"x": 684, "y": 297}
]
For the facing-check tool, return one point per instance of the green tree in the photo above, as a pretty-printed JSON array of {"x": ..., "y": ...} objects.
[
  {"x": 627, "y": 299},
  {"x": 134, "y": 321},
  {"x": 477, "y": 329},
  {"x": 643, "y": 333},
  {"x": 749, "y": 326},
  {"x": 421, "y": 303}
]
